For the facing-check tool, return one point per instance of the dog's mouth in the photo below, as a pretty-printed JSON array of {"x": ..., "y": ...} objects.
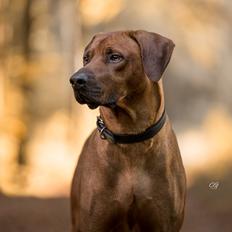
[
  {"x": 86, "y": 99},
  {"x": 93, "y": 100}
]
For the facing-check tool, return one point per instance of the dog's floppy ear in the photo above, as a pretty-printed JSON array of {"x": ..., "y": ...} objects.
[
  {"x": 91, "y": 41},
  {"x": 156, "y": 52}
]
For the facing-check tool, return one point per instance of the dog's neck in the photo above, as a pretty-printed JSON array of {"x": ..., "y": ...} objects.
[{"x": 134, "y": 115}]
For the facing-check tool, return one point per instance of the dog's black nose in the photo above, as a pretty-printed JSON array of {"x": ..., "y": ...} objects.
[{"x": 79, "y": 79}]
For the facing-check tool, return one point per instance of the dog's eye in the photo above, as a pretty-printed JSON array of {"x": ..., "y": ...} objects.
[
  {"x": 115, "y": 58},
  {"x": 86, "y": 60}
]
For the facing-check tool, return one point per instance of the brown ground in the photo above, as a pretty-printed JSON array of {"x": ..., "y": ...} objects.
[
  {"x": 206, "y": 210},
  {"x": 24, "y": 214}
]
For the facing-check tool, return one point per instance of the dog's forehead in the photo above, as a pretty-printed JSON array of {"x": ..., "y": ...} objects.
[{"x": 120, "y": 39}]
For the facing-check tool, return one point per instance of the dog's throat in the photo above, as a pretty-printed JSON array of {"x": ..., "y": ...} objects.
[{"x": 150, "y": 132}]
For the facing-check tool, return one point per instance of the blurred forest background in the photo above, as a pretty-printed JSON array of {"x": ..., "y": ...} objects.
[{"x": 42, "y": 128}]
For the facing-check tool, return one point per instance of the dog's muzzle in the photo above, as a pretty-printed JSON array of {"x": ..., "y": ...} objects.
[{"x": 87, "y": 91}]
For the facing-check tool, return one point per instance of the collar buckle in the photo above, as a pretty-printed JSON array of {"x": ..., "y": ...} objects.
[
  {"x": 101, "y": 127},
  {"x": 102, "y": 135},
  {"x": 104, "y": 132}
]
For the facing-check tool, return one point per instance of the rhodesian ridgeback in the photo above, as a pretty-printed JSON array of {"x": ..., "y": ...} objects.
[{"x": 130, "y": 175}]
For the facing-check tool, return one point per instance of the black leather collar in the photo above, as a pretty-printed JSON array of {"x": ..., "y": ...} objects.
[{"x": 130, "y": 138}]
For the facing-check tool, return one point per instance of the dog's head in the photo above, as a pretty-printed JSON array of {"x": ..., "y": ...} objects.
[{"x": 118, "y": 65}]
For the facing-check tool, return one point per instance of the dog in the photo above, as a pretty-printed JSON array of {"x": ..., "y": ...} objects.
[{"x": 130, "y": 175}]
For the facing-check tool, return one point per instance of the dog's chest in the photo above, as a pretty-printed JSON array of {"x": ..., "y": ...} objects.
[
  {"x": 129, "y": 174},
  {"x": 133, "y": 183}
]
